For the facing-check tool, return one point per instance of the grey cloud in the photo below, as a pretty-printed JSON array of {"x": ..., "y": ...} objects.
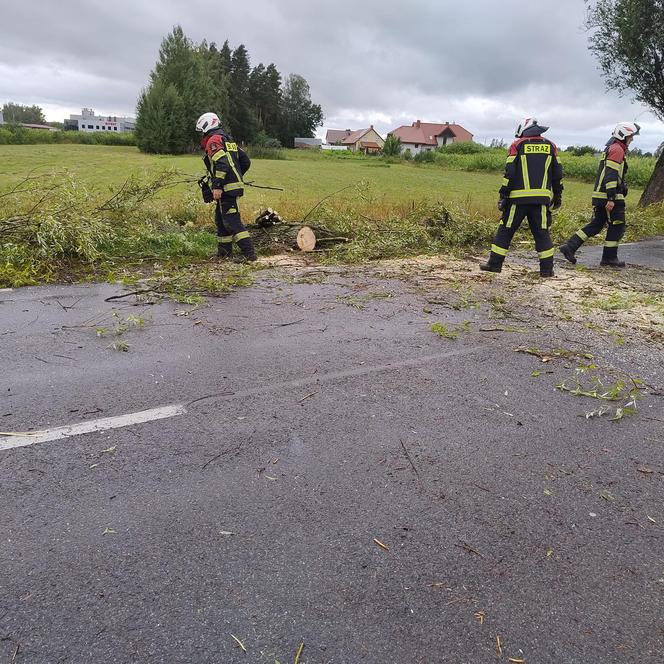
[{"x": 483, "y": 62}]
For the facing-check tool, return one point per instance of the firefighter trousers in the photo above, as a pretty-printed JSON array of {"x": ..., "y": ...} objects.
[
  {"x": 230, "y": 228},
  {"x": 615, "y": 222},
  {"x": 539, "y": 220}
]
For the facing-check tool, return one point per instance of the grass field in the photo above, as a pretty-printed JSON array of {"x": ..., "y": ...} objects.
[
  {"x": 305, "y": 177},
  {"x": 386, "y": 209}
]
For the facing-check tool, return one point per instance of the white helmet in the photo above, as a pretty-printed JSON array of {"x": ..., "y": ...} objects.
[
  {"x": 526, "y": 123},
  {"x": 624, "y": 130},
  {"x": 207, "y": 121}
]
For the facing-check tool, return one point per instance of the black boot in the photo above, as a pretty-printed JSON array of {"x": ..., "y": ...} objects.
[
  {"x": 224, "y": 250},
  {"x": 612, "y": 262},
  {"x": 568, "y": 253},
  {"x": 490, "y": 267},
  {"x": 247, "y": 249},
  {"x": 546, "y": 272}
]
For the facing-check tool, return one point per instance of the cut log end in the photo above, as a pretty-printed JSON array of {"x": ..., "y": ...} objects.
[{"x": 306, "y": 239}]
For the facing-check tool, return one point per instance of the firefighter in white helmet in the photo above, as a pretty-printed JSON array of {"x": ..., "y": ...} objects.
[
  {"x": 608, "y": 198},
  {"x": 226, "y": 163}
]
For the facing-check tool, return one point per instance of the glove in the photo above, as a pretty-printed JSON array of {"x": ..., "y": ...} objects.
[
  {"x": 625, "y": 190},
  {"x": 556, "y": 203},
  {"x": 502, "y": 204},
  {"x": 206, "y": 192}
]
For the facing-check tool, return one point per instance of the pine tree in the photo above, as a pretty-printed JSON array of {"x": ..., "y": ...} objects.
[
  {"x": 242, "y": 121},
  {"x": 265, "y": 95}
]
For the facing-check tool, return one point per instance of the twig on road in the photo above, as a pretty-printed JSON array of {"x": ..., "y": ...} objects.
[
  {"x": 469, "y": 549},
  {"x": 409, "y": 459}
]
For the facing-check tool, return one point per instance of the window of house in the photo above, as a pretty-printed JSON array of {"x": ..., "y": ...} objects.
[
  {"x": 417, "y": 145},
  {"x": 97, "y": 126},
  {"x": 90, "y": 127},
  {"x": 115, "y": 128}
]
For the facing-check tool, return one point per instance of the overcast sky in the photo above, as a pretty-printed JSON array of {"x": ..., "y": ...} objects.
[{"x": 480, "y": 63}]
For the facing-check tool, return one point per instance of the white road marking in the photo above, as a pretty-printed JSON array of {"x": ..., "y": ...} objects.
[{"x": 21, "y": 439}]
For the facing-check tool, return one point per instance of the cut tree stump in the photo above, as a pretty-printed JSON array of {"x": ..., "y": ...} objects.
[{"x": 272, "y": 235}]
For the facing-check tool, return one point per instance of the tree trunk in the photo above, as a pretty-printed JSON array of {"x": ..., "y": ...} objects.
[
  {"x": 654, "y": 191},
  {"x": 280, "y": 237}
]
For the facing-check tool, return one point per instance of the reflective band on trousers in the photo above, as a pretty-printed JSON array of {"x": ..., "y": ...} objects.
[
  {"x": 582, "y": 235},
  {"x": 611, "y": 243},
  {"x": 546, "y": 254},
  {"x": 544, "y": 208},
  {"x": 226, "y": 239},
  {"x": 240, "y": 236},
  {"x": 498, "y": 250},
  {"x": 510, "y": 218}
]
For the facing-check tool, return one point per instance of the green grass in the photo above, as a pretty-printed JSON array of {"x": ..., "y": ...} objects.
[
  {"x": 387, "y": 208},
  {"x": 306, "y": 177}
]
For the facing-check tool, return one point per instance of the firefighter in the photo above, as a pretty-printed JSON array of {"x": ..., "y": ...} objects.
[
  {"x": 608, "y": 198},
  {"x": 531, "y": 188},
  {"x": 226, "y": 163}
]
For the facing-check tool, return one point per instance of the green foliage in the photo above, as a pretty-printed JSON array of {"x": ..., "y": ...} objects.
[
  {"x": 464, "y": 147},
  {"x": 242, "y": 121},
  {"x": 265, "y": 151},
  {"x": 161, "y": 123},
  {"x": 16, "y": 135},
  {"x": 425, "y": 157},
  {"x": 580, "y": 150},
  {"x": 189, "y": 80},
  {"x": 392, "y": 147},
  {"x": 628, "y": 42},
  {"x": 52, "y": 221},
  {"x": 299, "y": 116},
  {"x": 14, "y": 113}
]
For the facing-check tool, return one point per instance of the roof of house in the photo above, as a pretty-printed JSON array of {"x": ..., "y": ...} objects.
[
  {"x": 424, "y": 133},
  {"x": 355, "y": 136},
  {"x": 336, "y": 135}
]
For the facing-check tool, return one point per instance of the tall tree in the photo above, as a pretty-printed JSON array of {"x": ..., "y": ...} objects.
[
  {"x": 265, "y": 95},
  {"x": 242, "y": 121},
  {"x": 628, "y": 41},
  {"x": 299, "y": 115},
  {"x": 161, "y": 120},
  {"x": 25, "y": 114}
]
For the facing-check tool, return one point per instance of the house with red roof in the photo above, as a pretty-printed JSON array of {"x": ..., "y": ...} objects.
[
  {"x": 423, "y": 136},
  {"x": 367, "y": 140}
]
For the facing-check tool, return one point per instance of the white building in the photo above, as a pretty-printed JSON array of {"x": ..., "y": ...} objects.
[{"x": 88, "y": 121}]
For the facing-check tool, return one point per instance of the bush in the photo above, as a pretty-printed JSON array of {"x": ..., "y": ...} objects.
[
  {"x": 265, "y": 152},
  {"x": 392, "y": 146},
  {"x": 580, "y": 150},
  {"x": 425, "y": 157},
  {"x": 17, "y": 135},
  {"x": 466, "y": 147}
]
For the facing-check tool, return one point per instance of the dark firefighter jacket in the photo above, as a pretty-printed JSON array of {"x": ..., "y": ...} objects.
[
  {"x": 225, "y": 161},
  {"x": 610, "y": 181},
  {"x": 533, "y": 173}
]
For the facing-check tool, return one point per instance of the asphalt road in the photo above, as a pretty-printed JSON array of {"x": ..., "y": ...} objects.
[{"x": 339, "y": 477}]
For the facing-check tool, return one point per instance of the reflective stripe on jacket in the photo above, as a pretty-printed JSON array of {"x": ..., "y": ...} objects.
[
  {"x": 226, "y": 162},
  {"x": 533, "y": 173},
  {"x": 611, "y": 172}
]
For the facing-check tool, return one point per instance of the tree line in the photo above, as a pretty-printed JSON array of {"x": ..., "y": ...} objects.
[{"x": 256, "y": 105}]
